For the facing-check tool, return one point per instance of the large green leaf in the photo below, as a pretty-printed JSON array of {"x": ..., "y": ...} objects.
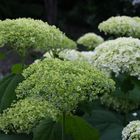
[
  {"x": 76, "y": 128},
  {"x": 109, "y": 124},
  {"x": 47, "y": 130},
  {"x": 3, "y": 84},
  {"x": 134, "y": 94},
  {"x": 17, "y": 68},
  {"x": 15, "y": 137},
  {"x": 79, "y": 129},
  {"x": 7, "y": 90}
]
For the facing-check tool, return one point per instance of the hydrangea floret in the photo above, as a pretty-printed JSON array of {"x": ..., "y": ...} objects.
[
  {"x": 90, "y": 40},
  {"x": 73, "y": 55},
  {"x": 26, "y": 33},
  {"x": 131, "y": 131},
  {"x": 119, "y": 56},
  {"x": 121, "y": 26}
]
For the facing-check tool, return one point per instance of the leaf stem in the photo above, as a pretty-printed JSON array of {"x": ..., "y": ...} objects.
[{"x": 63, "y": 126}]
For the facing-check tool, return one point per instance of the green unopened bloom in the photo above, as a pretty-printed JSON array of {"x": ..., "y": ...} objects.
[
  {"x": 25, "y": 33},
  {"x": 63, "y": 83},
  {"x": 24, "y": 115},
  {"x": 121, "y": 26},
  {"x": 90, "y": 40},
  {"x": 53, "y": 86}
]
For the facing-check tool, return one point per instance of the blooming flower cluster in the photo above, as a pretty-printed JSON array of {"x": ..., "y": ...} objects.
[
  {"x": 53, "y": 86},
  {"x": 24, "y": 115},
  {"x": 73, "y": 55},
  {"x": 25, "y": 33},
  {"x": 121, "y": 26},
  {"x": 131, "y": 131},
  {"x": 90, "y": 40},
  {"x": 63, "y": 83},
  {"x": 119, "y": 56}
]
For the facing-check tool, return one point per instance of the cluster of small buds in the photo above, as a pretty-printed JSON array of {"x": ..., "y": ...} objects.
[
  {"x": 121, "y": 26},
  {"x": 90, "y": 40},
  {"x": 131, "y": 131}
]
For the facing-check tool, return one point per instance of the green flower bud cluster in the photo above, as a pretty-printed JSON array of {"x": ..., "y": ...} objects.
[
  {"x": 25, "y": 33},
  {"x": 24, "y": 115},
  {"x": 131, "y": 131},
  {"x": 119, "y": 56},
  {"x": 63, "y": 83},
  {"x": 53, "y": 86},
  {"x": 73, "y": 55},
  {"x": 121, "y": 26},
  {"x": 90, "y": 40}
]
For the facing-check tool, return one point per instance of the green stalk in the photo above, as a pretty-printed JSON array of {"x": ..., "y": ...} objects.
[
  {"x": 23, "y": 58},
  {"x": 63, "y": 126}
]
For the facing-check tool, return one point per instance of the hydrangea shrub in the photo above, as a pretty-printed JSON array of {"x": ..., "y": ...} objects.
[
  {"x": 131, "y": 131},
  {"x": 51, "y": 87},
  {"x": 119, "y": 56},
  {"x": 121, "y": 26},
  {"x": 90, "y": 40}
]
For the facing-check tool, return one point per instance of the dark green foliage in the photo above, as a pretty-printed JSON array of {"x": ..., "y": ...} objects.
[
  {"x": 2, "y": 56},
  {"x": 76, "y": 129},
  {"x": 79, "y": 129},
  {"x": 109, "y": 124},
  {"x": 7, "y": 90},
  {"x": 17, "y": 68},
  {"x": 47, "y": 130},
  {"x": 15, "y": 137}
]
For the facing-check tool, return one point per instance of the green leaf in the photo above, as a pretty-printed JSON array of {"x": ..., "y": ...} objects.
[
  {"x": 7, "y": 90},
  {"x": 47, "y": 130},
  {"x": 109, "y": 124},
  {"x": 3, "y": 84},
  {"x": 15, "y": 137},
  {"x": 2, "y": 56},
  {"x": 134, "y": 94},
  {"x": 79, "y": 129},
  {"x": 17, "y": 68}
]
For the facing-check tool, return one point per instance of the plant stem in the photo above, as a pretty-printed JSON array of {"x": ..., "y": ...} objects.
[
  {"x": 63, "y": 126},
  {"x": 125, "y": 118}
]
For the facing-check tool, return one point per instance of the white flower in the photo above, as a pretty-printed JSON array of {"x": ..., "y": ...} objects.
[
  {"x": 119, "y": 56},
  {"x": 121, "y": 26},
  {"x": 131, "y": 131},
  {"x": 73, "y": 55}
]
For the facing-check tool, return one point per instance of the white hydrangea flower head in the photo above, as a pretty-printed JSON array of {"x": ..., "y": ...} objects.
[
  {"x": 119, "y": 56},
  {"x": 90, "y": 40},
  {"x": 121, "y": 26},
  {"x": 73, "y": 55},
  {"x": 131, "y": 131}
]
